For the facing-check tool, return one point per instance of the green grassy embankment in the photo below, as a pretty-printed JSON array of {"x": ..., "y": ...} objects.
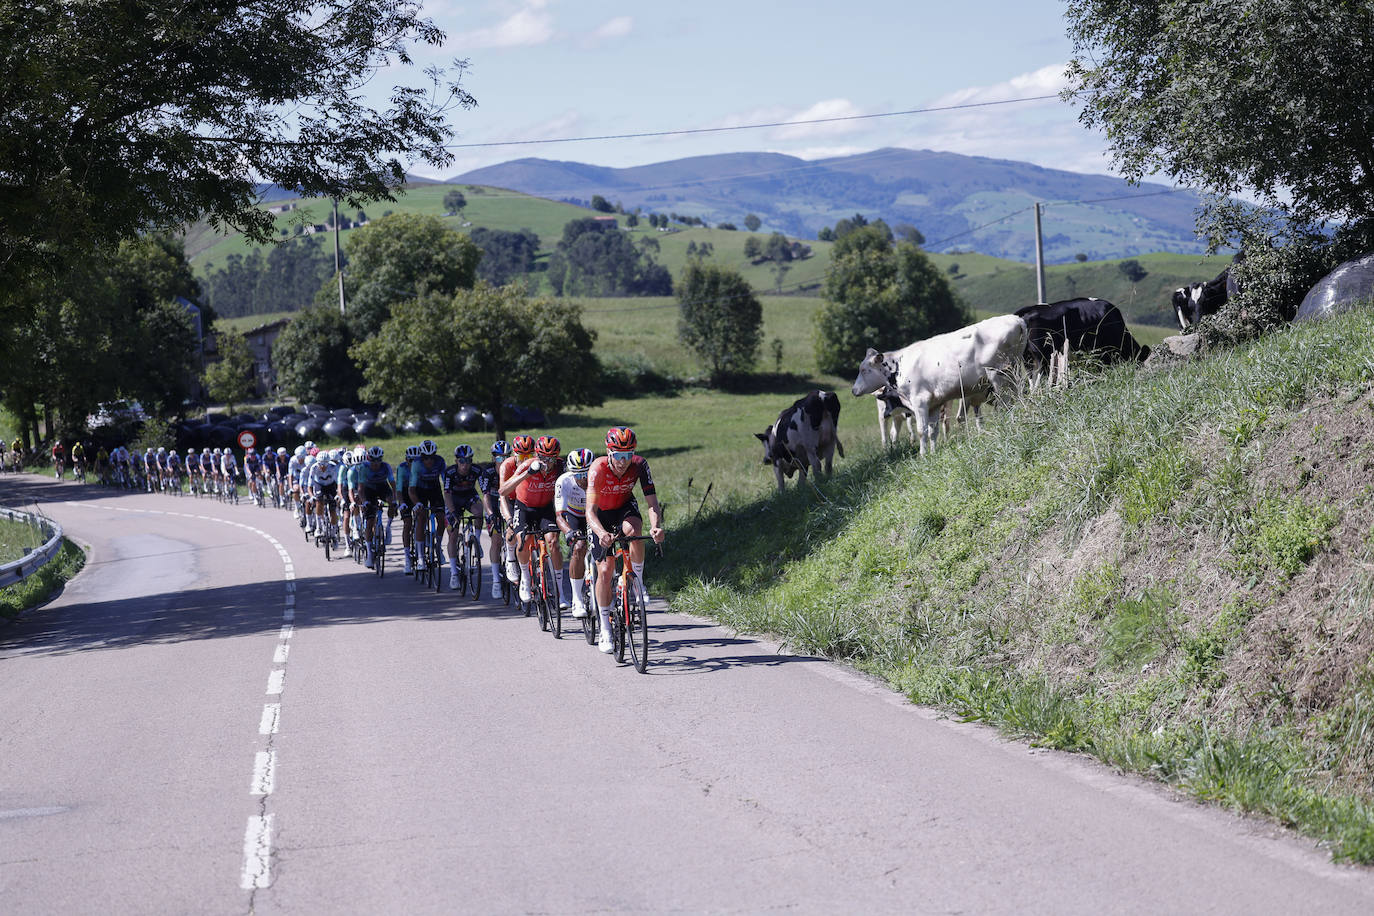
[
  {"x": 17, "y": 539},
  {"x": 1172, "y": 570}
]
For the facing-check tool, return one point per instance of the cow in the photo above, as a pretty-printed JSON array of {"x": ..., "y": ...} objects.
[
  {"x": 1090, "y": 325},
  {"x": 1197, "y": 300},
  {"x": 893, "y": 413},
  {"x": 968, "y": 363},
  {"x": 805, "y": 434}
]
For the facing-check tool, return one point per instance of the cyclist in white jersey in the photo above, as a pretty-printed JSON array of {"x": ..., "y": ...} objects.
[{"x": 570, "y": 511}]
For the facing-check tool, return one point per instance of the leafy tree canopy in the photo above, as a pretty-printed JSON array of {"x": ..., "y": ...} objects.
[
  {"x": 881, "y": 296},
  {"x": 312, "y": 360},
  {"x": 454, "y": 201},
  {"x": 506, "y": 256},
  {"x": 485, "y": 346},
  {"x": 1231, "y": 96},
  {"x": 720, "y": 319},
  {"x": 399, "y": 257},
  {"x": 229, "y": 381},
  {"x": 597, "y": 259},
  {"x": 117, "y": 117}
]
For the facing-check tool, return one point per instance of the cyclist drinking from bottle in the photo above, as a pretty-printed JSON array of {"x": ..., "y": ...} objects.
[{"x": 531, "y": 487}]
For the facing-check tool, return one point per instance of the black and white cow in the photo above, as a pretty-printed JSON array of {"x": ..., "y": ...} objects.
[
  {"x": 969, "y": 363},
  {"x": 804, "y": 435},
  {"x": 1197, "y": 300},
  {"x": 1090, "y": 325}
]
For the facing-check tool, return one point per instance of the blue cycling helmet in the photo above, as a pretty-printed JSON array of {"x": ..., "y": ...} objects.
[
  {"x": 500, "y": 448},
  {"x": 463, "y": 453}
]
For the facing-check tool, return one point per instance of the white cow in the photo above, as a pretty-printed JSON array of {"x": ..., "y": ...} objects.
[{"x": 968, "y": 364}]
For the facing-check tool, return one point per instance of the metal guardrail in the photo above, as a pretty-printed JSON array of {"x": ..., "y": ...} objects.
[{"x": 34, "y": 560}]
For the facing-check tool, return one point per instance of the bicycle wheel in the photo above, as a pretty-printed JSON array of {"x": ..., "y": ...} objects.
[
  {"x": 551, "y": 597},
  {"x": 327, "y": 545},
  {"x": 638, "y": 633},
  {"x": 593, "y": 618},
  {"x": 541, "y": 606},
  {"x": 378, "y": 549},
  {"x": 618, "y": 624},
  {"x": 473, "y": 562},
  {"x": 436, "y": 557}
]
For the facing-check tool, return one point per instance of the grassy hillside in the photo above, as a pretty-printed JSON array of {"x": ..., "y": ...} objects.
[
  {"x": 1172, "y": 570},
  {"x": 989, "y": 284}
]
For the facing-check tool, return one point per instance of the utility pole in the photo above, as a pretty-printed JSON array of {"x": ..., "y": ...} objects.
[
  {"x": 1039, "y": 259},
  {"x": 338, "y": 260}
]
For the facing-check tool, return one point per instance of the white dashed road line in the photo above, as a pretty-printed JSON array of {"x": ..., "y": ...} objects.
[{"x": 257, "y": 839}]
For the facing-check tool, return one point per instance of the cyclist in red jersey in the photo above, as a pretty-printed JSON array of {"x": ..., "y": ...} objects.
[
  {"x": 522, "y": 449},
  {"x": 532, "y": 486},
  {"x": 612, "y": 510}
]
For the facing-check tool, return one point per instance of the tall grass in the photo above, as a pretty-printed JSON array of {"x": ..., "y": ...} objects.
[{"x": 924, "y": 571}]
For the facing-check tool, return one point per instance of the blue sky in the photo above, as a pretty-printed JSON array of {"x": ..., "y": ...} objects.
[{"x": 544, "y": 69}]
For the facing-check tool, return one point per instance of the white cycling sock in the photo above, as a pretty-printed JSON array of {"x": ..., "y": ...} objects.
[
  {"x": 562, "y": 595},
  {"x": 638, "y": 569}
]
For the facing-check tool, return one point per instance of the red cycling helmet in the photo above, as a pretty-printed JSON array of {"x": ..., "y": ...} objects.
[
  {"x": 620, "y": 439},
  {"x": 522, "y": 445},
  {"x": 548, "y": 447}
]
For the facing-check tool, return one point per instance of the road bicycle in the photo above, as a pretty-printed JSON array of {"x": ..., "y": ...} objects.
[
  {"x": 496, "y": 526},
  {"x": 378, "y": 540},
  {"x": 629, "y": 616},
  {"x": 79, "y": 470},
  {"x": 469, "y": 556},
  {"x": 591, "y": 621},
  {"x": 429, "y": 549},
  {"x": 543, "y": 585}
]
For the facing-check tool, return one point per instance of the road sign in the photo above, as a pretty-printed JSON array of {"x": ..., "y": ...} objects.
[{"x": 247, "y": 439}]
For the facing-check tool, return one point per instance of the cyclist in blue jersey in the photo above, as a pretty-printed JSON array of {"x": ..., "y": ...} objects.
[
  {"x": 403, "y": 497},
  {"x": 425, "y": 481},
  {"x": 374, "y": 482},
  {"x": 460, "y": 495}
]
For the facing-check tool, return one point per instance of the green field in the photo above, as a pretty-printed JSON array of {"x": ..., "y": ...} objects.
[{"x": 988, "y": 284}]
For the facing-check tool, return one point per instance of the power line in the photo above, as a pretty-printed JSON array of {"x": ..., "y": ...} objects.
[{"x": 759, "y": 126}]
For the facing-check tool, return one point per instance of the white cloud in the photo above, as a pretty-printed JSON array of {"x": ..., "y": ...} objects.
[
  {"x": 1048, "y": 80},
  {"x": 618, "y": 27},
  {"x": 530, "y": 25}
]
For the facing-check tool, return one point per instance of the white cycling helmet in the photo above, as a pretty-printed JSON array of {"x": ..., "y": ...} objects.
[
  {"x": 375, "y": 453},
  {"x": 412, "y": 452},
  {"x": 428, "y": 447},
  {"x": 281, "y": 450},
  {"x": 308, "y": 445}
]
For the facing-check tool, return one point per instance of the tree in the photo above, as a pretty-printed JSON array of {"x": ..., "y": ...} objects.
[
  {"x": 780, "y": 270},
  {"x": 1235, "y": 113},
  {"x": 753, "y": 248},
  {"x": 728, "y": 227},
  {"x": 720, "y": 319},
  {"x": 399, "y": 257},
  {"x": 752, "y": 222},
  {"x": 826, "y": 234},
  {"x": 1132, "y": 270},
  {"x": 601, "y": 204},
  {"x": 1080, "y": 257},
  {"x": 312, "y": 359},
  {"x": 506, "y": 255},
  {"x": 880, "y": 296},
  {"x": 230, "y": 380},
  {"x": 111, "y": 126},
  {"x": 454, "y": 202},
  {"x": 594, "y": 259},
  {"x": 909, "y": 233},
  {"x": 632, "y": 220},
  {"x": 485, "y": 346}
]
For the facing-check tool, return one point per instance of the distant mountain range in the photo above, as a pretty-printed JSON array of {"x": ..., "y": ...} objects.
[{"x": 957, "y": 202}]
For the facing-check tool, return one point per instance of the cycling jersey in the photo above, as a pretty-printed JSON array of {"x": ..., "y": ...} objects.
[
  {"x": 569, "y": 495},
  {"x": 376, "y": 478},
  {"x": 173, "y": 463},
  {"x": 207, "y": 463},
  {"x": 462, "y": 484},
  {"x": 325, "y": 473},
  {"x": 611, "y": 491},
  {"x": 426, "y": 477},
  {"x": 251, "y": 464},
  {"x": 536, "y": 490}
]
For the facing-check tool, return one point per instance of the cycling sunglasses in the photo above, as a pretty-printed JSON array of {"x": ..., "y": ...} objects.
[{"x": 620, "y": 456}]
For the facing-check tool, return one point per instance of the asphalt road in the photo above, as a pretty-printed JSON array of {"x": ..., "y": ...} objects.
[{"x": 212, "y": 719}]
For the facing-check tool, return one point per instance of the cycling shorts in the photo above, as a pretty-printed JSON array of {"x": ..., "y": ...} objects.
[
  {"x": 381, "y": 494},
  {"x": 577, "y": 523},
  {"x": 326, "y": 490},
  {"x": 431, "y": 497},
  {"x": 533, "y": 518},
  {"x": 613, "y": 520}
]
